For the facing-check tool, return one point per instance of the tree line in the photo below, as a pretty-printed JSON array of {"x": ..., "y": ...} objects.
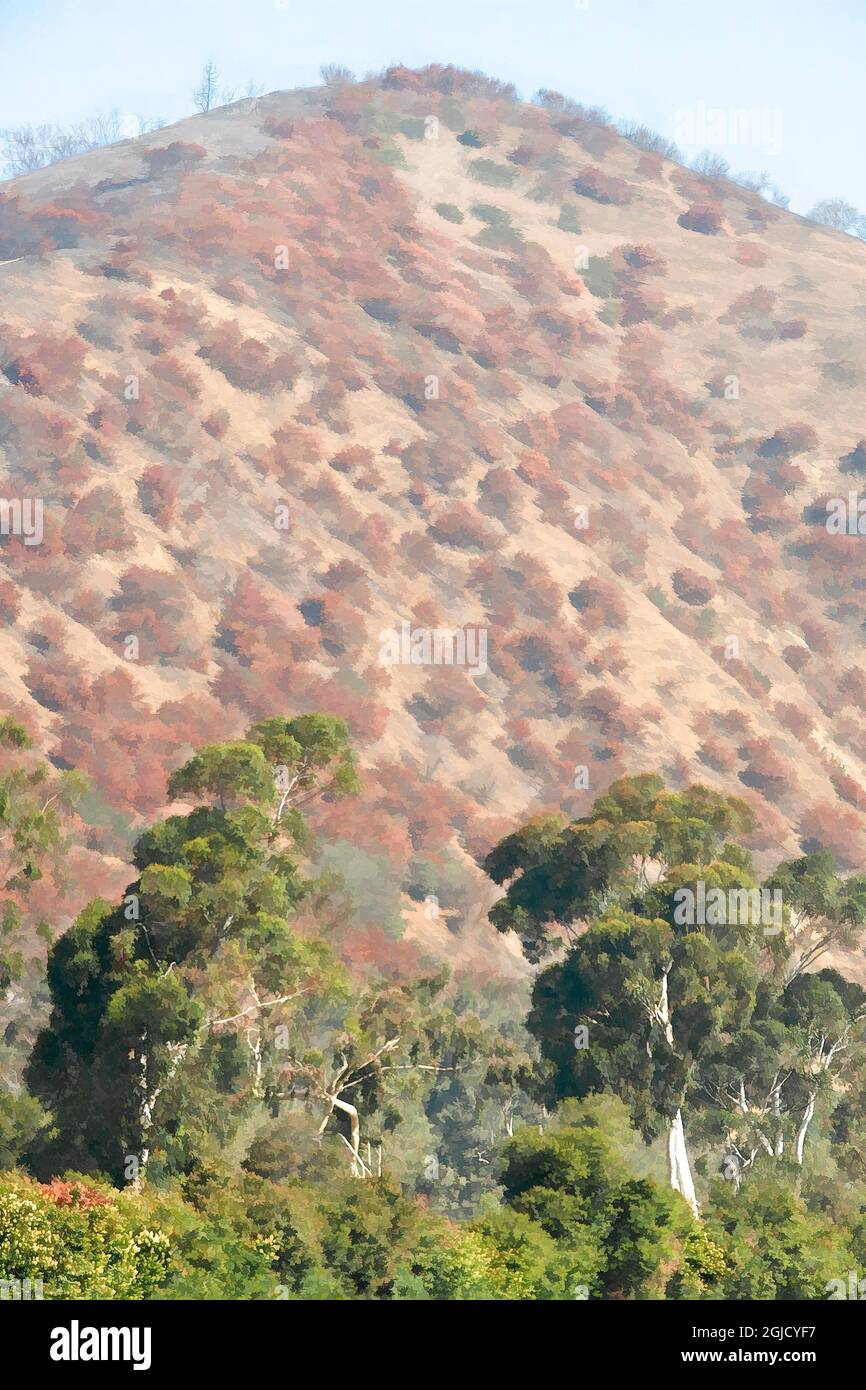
[{"x": 216, "y": 1105}]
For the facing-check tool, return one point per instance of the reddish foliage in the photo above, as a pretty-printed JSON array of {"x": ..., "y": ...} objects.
[
  {"x": 692, "y": 587},
  {"x": 702, "y": 217},
  {"x": 179, "y": 154},
  {"x": 593, "y": 183},
  {"x": 73, "y": 1194}
]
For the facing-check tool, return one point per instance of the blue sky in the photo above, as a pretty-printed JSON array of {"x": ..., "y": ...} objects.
[{"x": 796, "y": 62}]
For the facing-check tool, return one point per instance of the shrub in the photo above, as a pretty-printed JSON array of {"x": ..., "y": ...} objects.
[
  {"x": 593, "y": 183},
  {"x": 692, "y": 587},
  {"x": 598, "y": 277},
  {"x": 855, "y": 461},
  {"x": 461, "y": 527},
  {"x": 567, "y": 220},
  {"x": 792, "y": 328},
  {"x": 702, "y": 217},
  {"x": 78, "y": 1241},
  {"x": 599, "y": 604},
  {"x": 789, "y": 439},
  {"x": 495, "y": 175},
  {"x": 748, "y": 254},
  {"x": 178, "y": 155},
  {"x": 649, "y": 140}
]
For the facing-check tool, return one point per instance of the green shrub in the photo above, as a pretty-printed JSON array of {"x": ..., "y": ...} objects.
[
  {"x": 567, "y": 220},
  {"x": 413, "y": 127},
  {"x": 491, "y": 214},
  {"x": 78, "y": 1242},
  {"x": 495, "y": 175},
  {"x": 598, "y": 277}
]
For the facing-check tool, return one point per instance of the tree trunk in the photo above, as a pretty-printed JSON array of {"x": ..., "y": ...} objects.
[
  {"x": 149, "y": 1096},
  {"x": 355, "y": 1127},
  {"x": 145, "y": 1114},
  {"x": 678, "y": 1159},
  {"x": 804, "y": 1125}
]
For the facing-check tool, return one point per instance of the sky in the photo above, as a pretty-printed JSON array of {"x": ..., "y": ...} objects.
[{"x": 683, "y": 67}]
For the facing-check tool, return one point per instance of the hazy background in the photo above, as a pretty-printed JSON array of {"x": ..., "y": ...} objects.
[{"x": 61, "y": 60}]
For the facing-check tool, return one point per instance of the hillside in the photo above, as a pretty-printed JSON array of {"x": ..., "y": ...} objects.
[{"x": 297, "y": 371}]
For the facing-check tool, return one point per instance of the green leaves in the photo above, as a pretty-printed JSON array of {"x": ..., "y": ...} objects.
[
  {"x": 230, "y": 773},
  {"x": 13, "y": 735},
  {"x": 527, "y": 848},
  {"x": 561, "y": 874},
  {"x": 167, "y": 1009},
  {"x": 167, "y": 884},
  {"x": 281, "y": 763},
  {"x": 317, "y": 739},
  {"x": 574, "y": 1184}
]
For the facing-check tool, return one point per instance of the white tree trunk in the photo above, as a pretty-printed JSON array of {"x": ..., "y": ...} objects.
[
  {"x": 804, "y": 1125},
  {"x": 355, "y": 1128},
  {"x": 678, "y": 1159},
  {"x": 149, "y": 1097}
]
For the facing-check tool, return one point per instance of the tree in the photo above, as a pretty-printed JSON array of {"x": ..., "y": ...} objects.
[
  {"x": 656, "y": 995},
  {"x": 393, "y": 1047},
  {"x": 165, "y": 1008},
  {"x": 574, "y": 1184},
  {"x": 804, "y": 1045},
  {"x": 335, "y": 75},
  {"x": 36, "y": 806},
  {"x": 25, "y": 148},
  {"x": 762, "y": 1243},
  {"x": 718, "y": 1017},
  {"x": 72, "y": 1239},
  {"x": 839, "y": 214},
  {"x": 206, "y": 94},
  {"x": 824, "y": 910},
  {"x": 711, "y": 166}
]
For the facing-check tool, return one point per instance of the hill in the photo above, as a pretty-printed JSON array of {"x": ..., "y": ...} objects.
[{"x": 290, "y": 375}]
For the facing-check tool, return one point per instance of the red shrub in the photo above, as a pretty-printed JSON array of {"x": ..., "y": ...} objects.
[
  {"x": 97, "y": 524},
  {"x": 702, "y": 217},
  {"x": 824, "y": 826},
  {"x": 461, "y": 527},
  {"x": 10, "y": 601},
  {"x": 749, "y": 254},
  {"x": 178, "y": 155},
  {"x": 792, "y": 328},
  {"x": 789, "y": 439},
  {"x": 599, "y": 604},
  {"x": 593, "y": 183},
  {"x": 692, "y": 587},
  {"x": 77, "y": 1194}
]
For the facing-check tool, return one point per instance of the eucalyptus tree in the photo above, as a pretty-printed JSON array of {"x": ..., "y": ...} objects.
[
  {"x": 684, "y": 988},
  {"x": 167, "y": 1006},
  {"x": 37, "y": 806},
  {"x": 802, "y": 1051},
  {"x": 823, "y": 909},
  {"x": 642, "y": 999}
]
